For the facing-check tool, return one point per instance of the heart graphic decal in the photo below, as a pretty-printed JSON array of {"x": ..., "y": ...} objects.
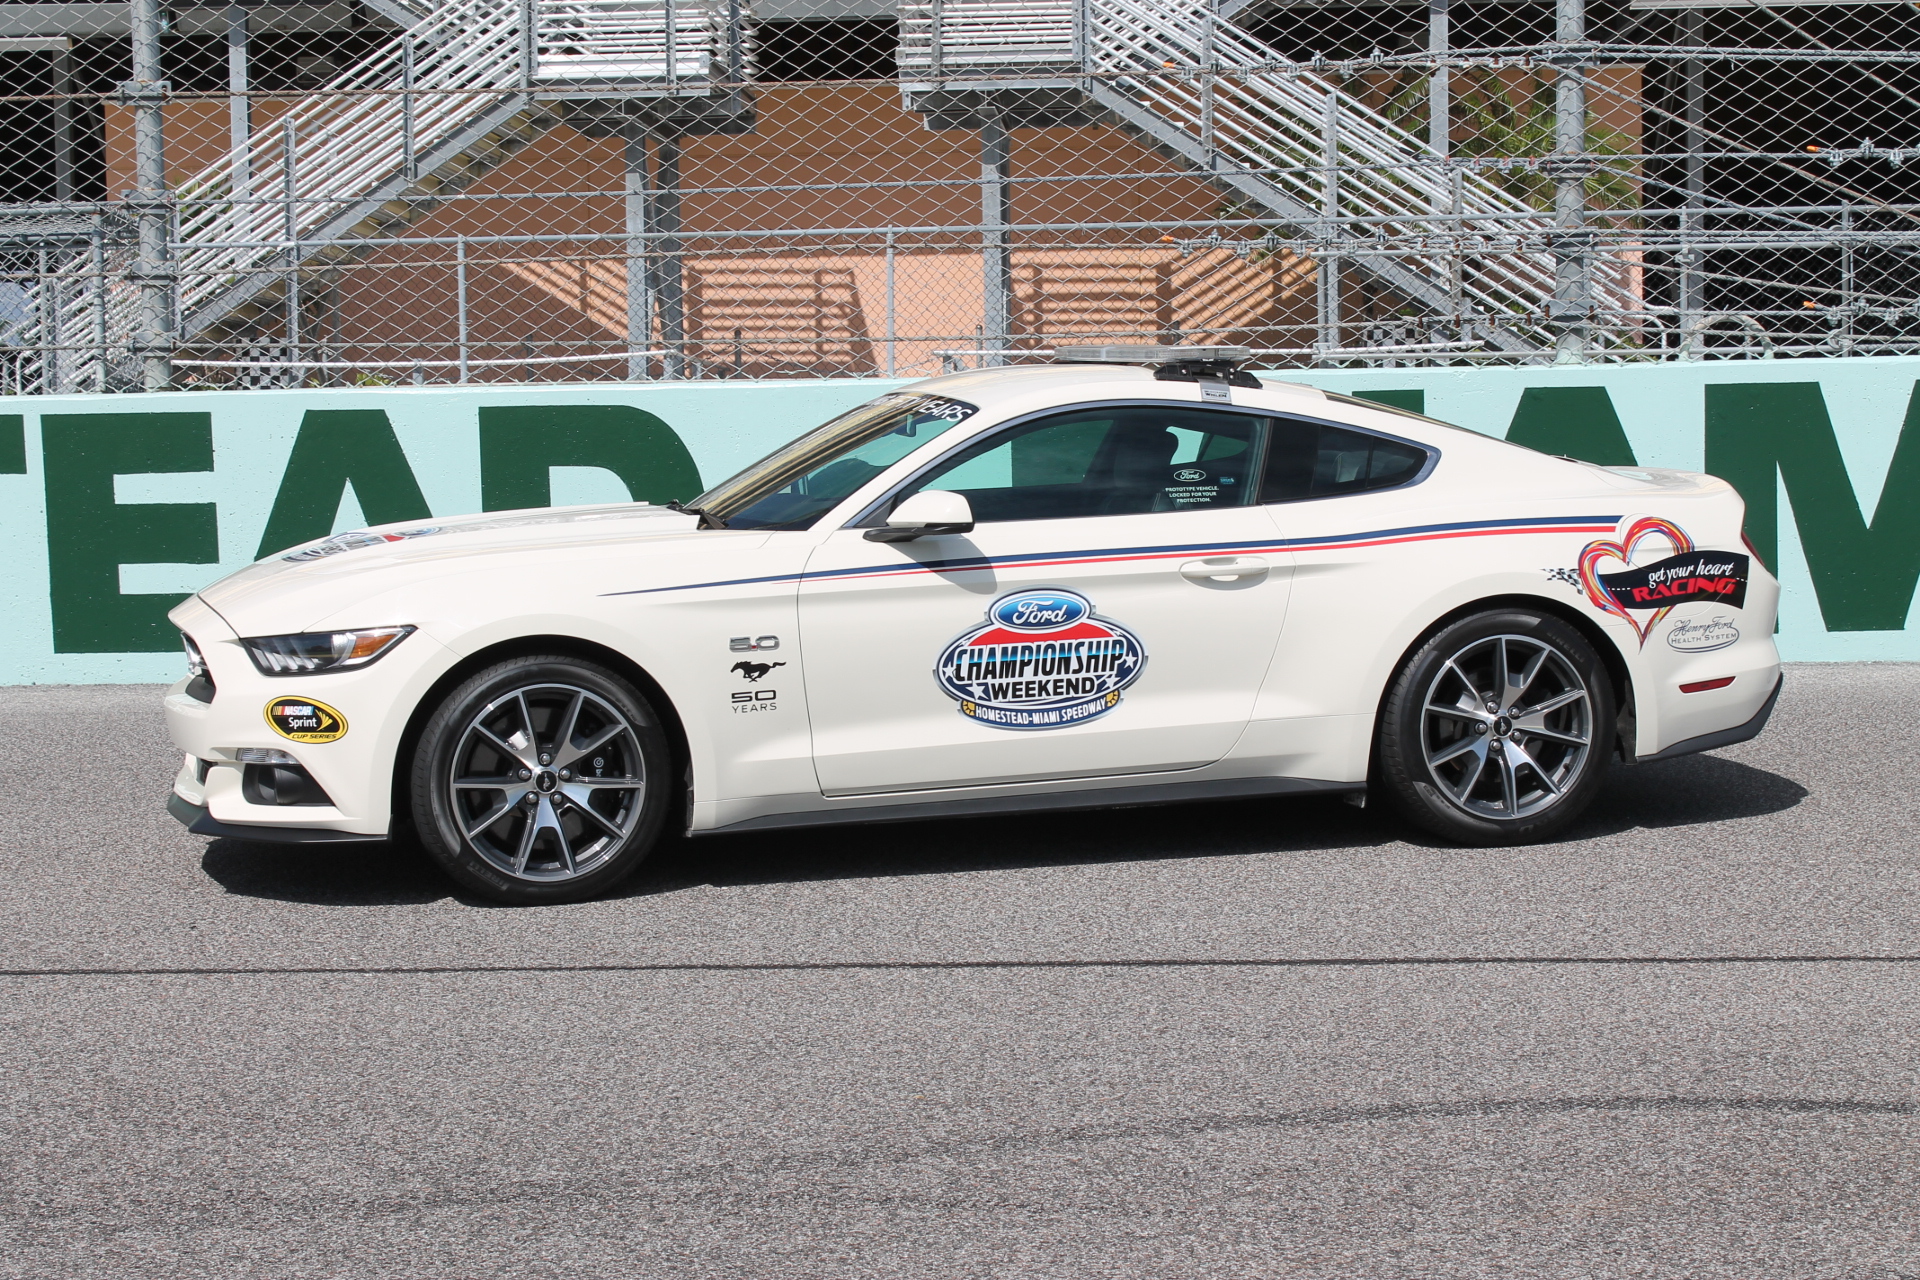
[{"x": 1621, "y": 548}]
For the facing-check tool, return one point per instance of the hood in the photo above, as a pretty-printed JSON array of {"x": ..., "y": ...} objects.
[
  {"x": 298, "y": 588},
  {"x": 542, "y": 526}
]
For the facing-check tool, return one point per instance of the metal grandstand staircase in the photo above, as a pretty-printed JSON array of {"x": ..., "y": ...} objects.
[
  {"x": 445, "y": 101},
  {"x": 458, "y": 90},
  {"x": 1266, "y": 130}
]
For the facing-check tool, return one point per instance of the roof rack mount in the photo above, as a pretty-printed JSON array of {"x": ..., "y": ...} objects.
[{"x": 1169, "y": 364}]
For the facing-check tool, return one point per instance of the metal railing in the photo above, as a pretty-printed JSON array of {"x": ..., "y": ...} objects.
[
  {"x": 606, "y": 189},
  {"x": 386, "y": 129},
  {"x": 630, "y": 41},
  {"x": 1283, "y": 136}
]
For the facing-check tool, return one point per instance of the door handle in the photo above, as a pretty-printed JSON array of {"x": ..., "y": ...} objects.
[{"x": 1224, "y": 569}]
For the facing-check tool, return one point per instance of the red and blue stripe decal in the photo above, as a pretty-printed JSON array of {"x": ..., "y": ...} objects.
[{"x": 1117, "y": 555}]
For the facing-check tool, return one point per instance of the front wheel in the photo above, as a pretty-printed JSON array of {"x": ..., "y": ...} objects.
[
  {"x": 1497, "y": 730},
  {"x": 541, "y": 780}
]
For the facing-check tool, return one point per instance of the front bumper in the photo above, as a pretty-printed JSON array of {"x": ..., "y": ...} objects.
[{"x": 353, "y": 772}]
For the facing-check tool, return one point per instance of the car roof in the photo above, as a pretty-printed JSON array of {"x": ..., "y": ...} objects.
[
  {"x": 993, "y": 389},
  {"x": 982, "y": 386}
]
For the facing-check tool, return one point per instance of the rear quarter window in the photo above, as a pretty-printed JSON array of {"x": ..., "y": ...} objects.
[{"x": 1318, "y": 460}]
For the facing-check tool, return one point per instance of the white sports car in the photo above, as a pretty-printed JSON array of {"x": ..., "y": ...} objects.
[{"x": 1145, "y": 576}]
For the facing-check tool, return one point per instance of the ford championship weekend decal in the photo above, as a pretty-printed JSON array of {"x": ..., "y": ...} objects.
[
  {"x": 305, "y": 720},
  {"x": 1041, "y": 660},
  {"x": 1688, "y": 575}
]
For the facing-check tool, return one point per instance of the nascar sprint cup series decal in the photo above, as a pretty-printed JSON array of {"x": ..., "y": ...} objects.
[
  {"x": 304, "y": 720},
  {"x": 1687, "y": 576},
  {"x": 1041, "y": 660}
]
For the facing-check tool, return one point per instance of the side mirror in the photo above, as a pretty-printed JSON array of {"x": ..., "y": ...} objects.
[{"x": 931, "y": 511}]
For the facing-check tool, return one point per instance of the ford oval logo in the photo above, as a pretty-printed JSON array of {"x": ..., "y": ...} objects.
[{"x": 1041, "y": 610}]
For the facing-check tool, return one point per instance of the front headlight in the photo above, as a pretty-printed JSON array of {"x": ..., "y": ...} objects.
[{"x": 314, "y": 652}]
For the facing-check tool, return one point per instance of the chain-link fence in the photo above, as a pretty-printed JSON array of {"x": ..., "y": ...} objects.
[{"x": 433, "y": 191}]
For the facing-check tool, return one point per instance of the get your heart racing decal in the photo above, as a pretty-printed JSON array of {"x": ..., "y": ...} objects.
[{"x": 1688, "y": 574}]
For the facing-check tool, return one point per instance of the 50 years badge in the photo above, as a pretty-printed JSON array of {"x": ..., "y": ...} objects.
[{"x": 1041, "y": 660}]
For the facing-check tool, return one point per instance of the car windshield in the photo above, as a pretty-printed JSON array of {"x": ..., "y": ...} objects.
[{"x": 798, "y": 483}]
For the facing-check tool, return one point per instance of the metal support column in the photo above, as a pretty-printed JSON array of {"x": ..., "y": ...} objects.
[
  {"x": 97, "y": 294},
  {"x": 1327, "y": 273},
  {"x": 290, "y": 228},
  {"x": 529, "y": 43},
  {"x": 1691, "y": 302},
  {"x": 1572, "y": 311},
  {"x": 639, "y": 296},
  {"x": 1449, "y": 272},
  {"x": 996, "y": 264},
  {"x": 461, "y": 327},
  {"x": 409, "y": 161},
  {"x": 147, "y": 92},
  {"x": 656, "y": 287},
  {"x": 1209, "y": 143},
  {"x": 46, "y": 293},
  {"x": 666, "y": 274},
  {"x": 892, "y": 323},
  {"x": 1848, "y": 309},
  {"x": 239, "y": 105},
  {"x": 63, "y": 185}
]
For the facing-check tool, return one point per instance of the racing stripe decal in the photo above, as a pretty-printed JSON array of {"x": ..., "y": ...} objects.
[{"x": 1117, "y": 555}]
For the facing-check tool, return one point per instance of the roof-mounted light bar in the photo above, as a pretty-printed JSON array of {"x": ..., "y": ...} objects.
[
  {"x": 1151, "y": 354},
  {"x": 1169, "y": 364}
]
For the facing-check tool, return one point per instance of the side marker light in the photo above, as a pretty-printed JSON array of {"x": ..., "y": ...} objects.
[{"x": 1701, "y": 686}]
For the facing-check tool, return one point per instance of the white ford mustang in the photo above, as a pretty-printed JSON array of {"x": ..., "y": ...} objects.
[{"x": 1145, "y": 577}]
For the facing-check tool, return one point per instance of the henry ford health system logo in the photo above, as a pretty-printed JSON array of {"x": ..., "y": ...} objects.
[{"x": 1041, "y": 660}]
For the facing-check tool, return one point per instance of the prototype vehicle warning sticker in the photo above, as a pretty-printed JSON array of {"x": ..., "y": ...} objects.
[
  {"x": 1041, "y": 660},
  {"x": 306, "y": 720}
]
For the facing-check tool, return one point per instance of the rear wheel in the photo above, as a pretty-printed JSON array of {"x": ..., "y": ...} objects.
[
  {"x": 1497, "y": 730},
  {"x": 541, "y": 780}
]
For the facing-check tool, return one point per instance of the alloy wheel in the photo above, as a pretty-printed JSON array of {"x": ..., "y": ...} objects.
[
  {"x": 547, "y": 782},
  {"x": 1506, "y": 727}
]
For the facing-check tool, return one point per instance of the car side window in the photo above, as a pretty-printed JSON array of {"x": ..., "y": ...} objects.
[
  {"x": 1114, "y": 461},
  {"x": 1315, "y": 460}
]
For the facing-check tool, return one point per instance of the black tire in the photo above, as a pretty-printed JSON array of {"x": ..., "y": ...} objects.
[
  {"x": 505, "y": 725},
  {"x": 1469, "y": 758}
]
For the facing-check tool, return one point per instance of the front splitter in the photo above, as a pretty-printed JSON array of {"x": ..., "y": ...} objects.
[{"x": 202, "y": 823}]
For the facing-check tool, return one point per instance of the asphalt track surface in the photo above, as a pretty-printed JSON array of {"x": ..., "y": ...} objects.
[{"x": 1275, "y": 1038}]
